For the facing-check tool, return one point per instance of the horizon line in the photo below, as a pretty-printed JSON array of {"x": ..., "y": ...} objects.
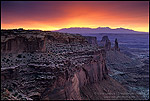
[{"x": 70, "y": 27}]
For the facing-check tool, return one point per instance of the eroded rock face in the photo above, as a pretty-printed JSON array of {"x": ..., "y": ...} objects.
[
  {"x": 18, "y": 44},
  {"x": 52, "y": 82},
  {"x": 64, "y": 38},
  {"x": 51, "y": 66},
  {"x": 116, "y": 47},
  {"x": 105, "y": 42},
  {"x": 91, "y": 40},
  {"x": 34, "y": 41}
]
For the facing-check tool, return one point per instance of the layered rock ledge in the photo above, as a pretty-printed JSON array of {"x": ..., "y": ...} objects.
[{"x": 55, "y": 66}]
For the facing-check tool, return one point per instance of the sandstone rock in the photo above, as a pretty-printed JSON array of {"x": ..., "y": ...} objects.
[
  {"x": 21, "y": 44},
  {"x": 105, "y": 42},
  {"x": 50, "y": 75},
  {"x": 116, "y": 47},
  {"x": 34, "y": 41},
  {"x": 71, "y": 80},
  {"x": 91, "y": 40}
]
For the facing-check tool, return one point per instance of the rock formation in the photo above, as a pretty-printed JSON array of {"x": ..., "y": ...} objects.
[
  {"x": 56, "y": 66},
  {"x": 105, "y": 42},
  {"x": 116, "y": 45},
  {"x": 91, "y": 40},
  {"x": 57, "y": 81},
  {"x": 33, "y": 41},
  {"x": 22, "y": 44}
]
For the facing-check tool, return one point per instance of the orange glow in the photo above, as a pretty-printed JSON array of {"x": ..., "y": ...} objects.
[{"x": 83, "y": 15}]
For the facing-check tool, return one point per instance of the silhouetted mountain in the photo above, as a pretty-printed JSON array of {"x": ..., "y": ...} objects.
[{"x": 97, "y": 30}]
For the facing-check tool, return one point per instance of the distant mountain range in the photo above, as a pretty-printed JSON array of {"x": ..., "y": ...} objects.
[{"x": 98, "y": 30}]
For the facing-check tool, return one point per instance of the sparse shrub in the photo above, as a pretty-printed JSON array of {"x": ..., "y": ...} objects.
[
  {"x": 10, "y": 89},
  {"x": 15, "y": 94},
  {"x": 7, "y": 60},
  {"x": 20, "y": 96},
  {"x": 3, "y": 59},
  {"x": 19, "y": 56}
]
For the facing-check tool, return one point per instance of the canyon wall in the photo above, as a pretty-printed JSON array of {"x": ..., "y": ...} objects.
[
  {"x": 53, "y": 66},
  {"x": 63, "y": 84},
  {"x": 18, "y": 44},
  {"x": 57, "y": 79},
  {"x": 35, "y": 41}
]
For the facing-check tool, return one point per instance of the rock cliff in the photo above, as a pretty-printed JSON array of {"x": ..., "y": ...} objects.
[
  {"x": 52, "y": 81},
  {"x": 34, "y": 41},
  {"x": 19, "y": 43},
  {"x": 105, "y": 43},
  {"x": 57, "y": 66}
]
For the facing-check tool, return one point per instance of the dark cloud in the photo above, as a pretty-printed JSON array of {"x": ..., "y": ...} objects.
[{"x": 53, "y": 9}]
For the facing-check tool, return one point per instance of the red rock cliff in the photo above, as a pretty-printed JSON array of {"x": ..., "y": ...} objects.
[
  {"x": 60, "y": 73},
  {"x": 35, "y": 41},
  {"x": 17, "y": 44},
  {"x": 64, "y": 84}
]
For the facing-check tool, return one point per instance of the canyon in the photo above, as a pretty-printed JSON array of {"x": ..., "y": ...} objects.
[{"x": 44, "y": 65}]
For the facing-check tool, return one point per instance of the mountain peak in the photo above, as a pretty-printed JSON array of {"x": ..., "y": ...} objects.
[{"x": 82, "y": 30}]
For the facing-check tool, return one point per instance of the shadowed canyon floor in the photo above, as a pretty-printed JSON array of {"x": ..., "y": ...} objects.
[{"x": 133, "y": 74}]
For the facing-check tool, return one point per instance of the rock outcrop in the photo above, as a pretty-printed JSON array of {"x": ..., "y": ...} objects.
[
  {"x": 105, "y": 43},
  {"x": 116, "y": 47},
  {"x": 91, "y": 40},
  {"x": 50, "y": 65},
  {"x": 15, "y": 41},
  {"x": 57, "y": 81},
  {"x": 61, "y": 69},
  {"x": 16, "y": 44}
]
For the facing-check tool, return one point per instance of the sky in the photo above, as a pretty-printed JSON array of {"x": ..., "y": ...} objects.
[{"x": 54, "y": 15}]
